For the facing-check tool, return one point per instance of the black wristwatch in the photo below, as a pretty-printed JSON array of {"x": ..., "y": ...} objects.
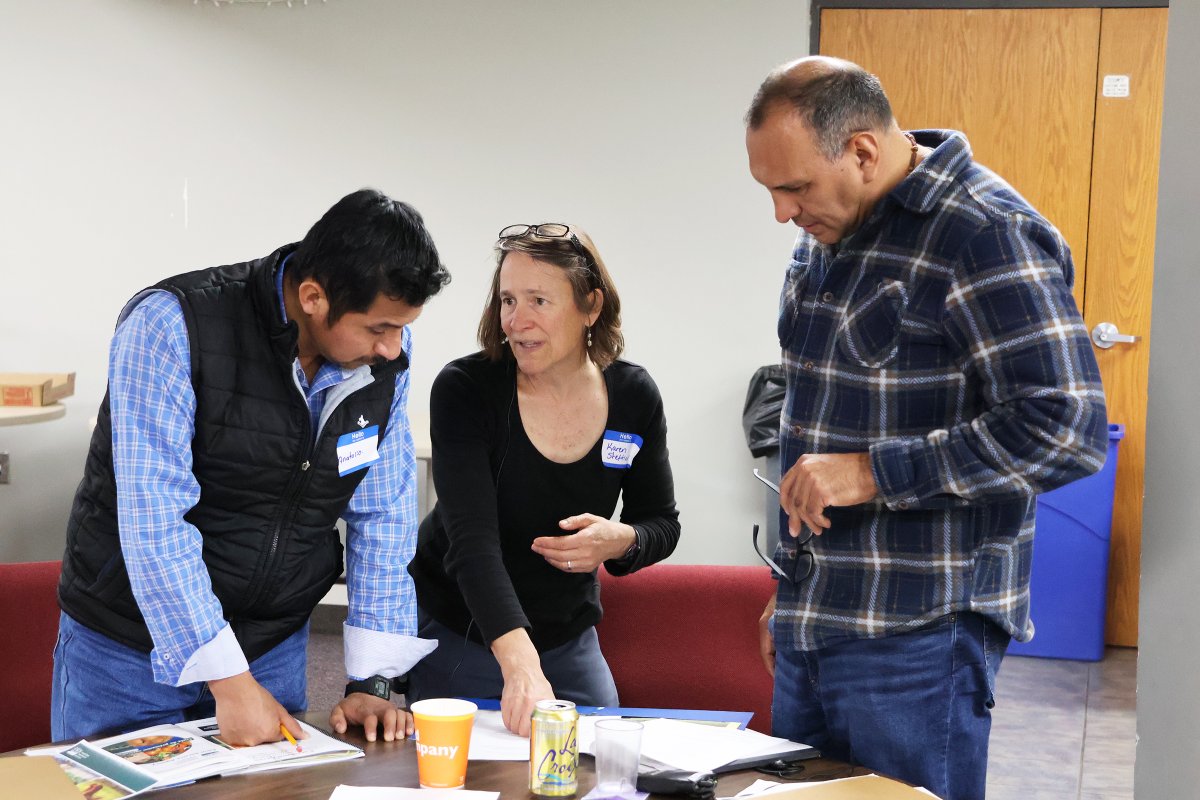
[{"x": 379, "y": 686}]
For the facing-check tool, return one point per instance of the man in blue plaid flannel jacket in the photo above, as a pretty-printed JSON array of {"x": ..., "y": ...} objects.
[{"x": 938, "y": 378}]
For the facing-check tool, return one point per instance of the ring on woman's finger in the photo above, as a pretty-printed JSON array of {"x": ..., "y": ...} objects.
[{"x": 568, "y": 565}]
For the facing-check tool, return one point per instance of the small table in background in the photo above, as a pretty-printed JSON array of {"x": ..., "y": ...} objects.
[{"x": 25, "y": 415}]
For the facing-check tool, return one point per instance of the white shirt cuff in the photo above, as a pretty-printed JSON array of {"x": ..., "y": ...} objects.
[
  {"x": 371, "y": 652},
  {"x": 222, "y": 657}
]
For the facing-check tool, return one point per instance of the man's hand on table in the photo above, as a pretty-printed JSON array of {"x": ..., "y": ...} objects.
[
  {"x": 247, "y": 714},
  {"x": 360, "y": 708}
]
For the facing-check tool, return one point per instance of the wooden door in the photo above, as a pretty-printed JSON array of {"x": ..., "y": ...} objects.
[
  {"x": 1026, "y": 87},
  {"x": 999, "y": 76},
  {"x": 1125, "y": 163}
]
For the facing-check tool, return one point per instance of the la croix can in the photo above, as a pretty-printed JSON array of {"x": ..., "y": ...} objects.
[{"x": 553, "y": 749}]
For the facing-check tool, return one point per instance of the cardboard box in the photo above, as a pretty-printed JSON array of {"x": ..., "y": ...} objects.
[{"x": 35, "y": 388}]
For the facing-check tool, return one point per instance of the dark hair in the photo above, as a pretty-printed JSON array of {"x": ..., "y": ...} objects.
[
  {"x": 585, "y": 275},
  {"x": 366, "y": 245},
  {"x": 834, "y": 98}
]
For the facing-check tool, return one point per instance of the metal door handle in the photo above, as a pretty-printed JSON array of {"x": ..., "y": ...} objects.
[{"x": 1105, "y": 335}]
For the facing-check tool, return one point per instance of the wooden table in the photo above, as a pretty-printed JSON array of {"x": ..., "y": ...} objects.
[{"x": 395, "y": 764}]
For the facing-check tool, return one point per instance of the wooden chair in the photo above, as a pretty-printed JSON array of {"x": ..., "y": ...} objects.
[{"x": 29, "y": 622}]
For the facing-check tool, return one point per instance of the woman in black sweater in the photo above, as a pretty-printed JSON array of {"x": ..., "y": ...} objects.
[{"x": 535, "y": 438}]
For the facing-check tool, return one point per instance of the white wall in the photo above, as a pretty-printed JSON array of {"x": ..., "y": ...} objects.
[{"x": 142, "y": 138}]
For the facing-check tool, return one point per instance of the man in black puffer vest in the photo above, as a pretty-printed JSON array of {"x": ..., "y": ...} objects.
[{"x": 249, "y": 407}]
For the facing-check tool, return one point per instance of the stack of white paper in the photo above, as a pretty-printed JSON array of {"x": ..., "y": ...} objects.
[
  {"x": 667, "y": 742},
  {"x": 697, "y": 748},
  {"x": 491, "y": 741}
]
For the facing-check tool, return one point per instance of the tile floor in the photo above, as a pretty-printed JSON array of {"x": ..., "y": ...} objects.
[
  {"x": 326, "y": 670},
  {"x": 1062, "y": 730}
]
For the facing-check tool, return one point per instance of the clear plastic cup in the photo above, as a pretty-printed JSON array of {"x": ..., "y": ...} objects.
[{"x": 618, "y": 748}]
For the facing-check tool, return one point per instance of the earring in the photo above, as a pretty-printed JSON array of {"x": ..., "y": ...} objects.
[
  {"x": 589, "y": 339},
  {"x": 503, "y": 340}
]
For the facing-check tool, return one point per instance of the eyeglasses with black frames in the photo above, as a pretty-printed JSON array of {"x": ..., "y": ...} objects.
[
  {"x": 800, "y": 566},
  {"x": 781, "y": 769},
  {"x": 553, "y": 230},
  {"x": 807, "y": 772}
]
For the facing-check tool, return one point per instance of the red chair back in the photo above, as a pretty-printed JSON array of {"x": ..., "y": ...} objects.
[
  {"x": 682, "y": 636},
  {"x": 29, "y": 620}
]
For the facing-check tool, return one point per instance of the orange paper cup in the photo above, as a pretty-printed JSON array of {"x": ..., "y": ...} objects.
[{"x": 443, "y": 735}]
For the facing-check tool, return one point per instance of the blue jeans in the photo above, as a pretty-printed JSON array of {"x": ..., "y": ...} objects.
[
  {"x": 101, "y": 686},
  {"x": 460, "y": 667},
  {"x": 915, "y": 706}
]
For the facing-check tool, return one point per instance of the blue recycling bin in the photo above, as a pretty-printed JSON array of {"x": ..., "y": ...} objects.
[{"x": 1069, "y": 583}]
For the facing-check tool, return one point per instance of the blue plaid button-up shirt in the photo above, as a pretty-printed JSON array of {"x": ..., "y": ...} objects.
[{"x": 941, "y": 337}]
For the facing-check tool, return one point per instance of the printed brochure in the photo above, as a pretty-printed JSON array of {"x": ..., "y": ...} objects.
[{"x": 168, "y": 755}]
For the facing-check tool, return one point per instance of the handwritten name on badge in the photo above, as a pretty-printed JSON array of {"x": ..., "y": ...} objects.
[
  {"x": 357, "y": 450},
  {"x": 618, "y": 449}
]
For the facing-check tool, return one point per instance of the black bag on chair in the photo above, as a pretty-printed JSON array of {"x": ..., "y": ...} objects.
[{"x": 760, "y": 414}]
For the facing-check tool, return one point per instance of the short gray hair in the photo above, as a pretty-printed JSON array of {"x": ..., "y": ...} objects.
[{"x": 835, "y": 100}]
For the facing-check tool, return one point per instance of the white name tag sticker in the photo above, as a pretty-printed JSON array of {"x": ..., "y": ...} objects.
[
  {"x": 357, "y": 450},
  {"x": 618, "y": 449}
]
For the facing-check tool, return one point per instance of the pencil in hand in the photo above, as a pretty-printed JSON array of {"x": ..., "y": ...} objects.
[{"x": 288, "y": 735}]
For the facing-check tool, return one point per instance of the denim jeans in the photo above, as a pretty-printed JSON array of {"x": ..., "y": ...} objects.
[
  {"x": 101, "y": 686},
  {"x": 460, "y": 667},
  {"x": 915, "y": 706}
]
